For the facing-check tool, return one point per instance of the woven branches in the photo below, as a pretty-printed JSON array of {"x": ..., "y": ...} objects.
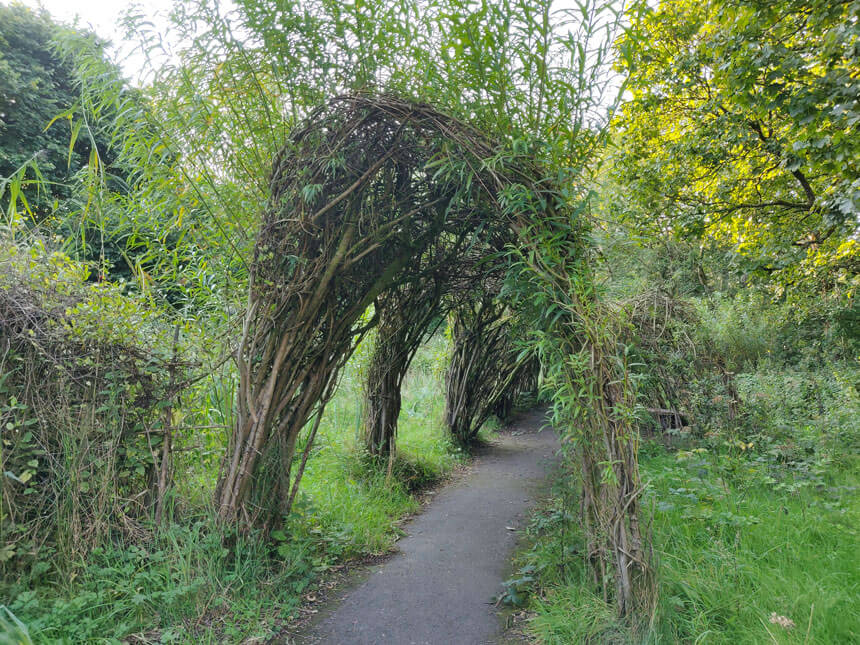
[
  {"x": 84, "y": 408},
  {"x": 408, "y": 313},
  {"x": 378, "y": 207},
  {"x": 359, "y": 196},
  {"x": 484, "y": 363}
]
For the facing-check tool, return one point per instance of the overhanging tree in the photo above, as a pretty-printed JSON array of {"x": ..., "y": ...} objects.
[
  {"x": 742, "y": 132},
  {"x": 36, "y": 86}
]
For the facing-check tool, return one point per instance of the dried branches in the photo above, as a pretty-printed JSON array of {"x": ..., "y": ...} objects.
[{"x": 84, "y": 445}]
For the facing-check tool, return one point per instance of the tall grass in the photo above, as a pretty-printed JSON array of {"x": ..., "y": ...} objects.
[
  {"x": 733, "y": 553},
  {"x": 753, "y": 526}
]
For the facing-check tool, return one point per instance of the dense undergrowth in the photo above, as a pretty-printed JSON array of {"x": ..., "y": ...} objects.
[
  {"x": 192, "y": 582},
  {"x": 753, "y": 514}
]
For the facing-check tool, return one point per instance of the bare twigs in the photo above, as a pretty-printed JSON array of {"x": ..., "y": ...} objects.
[{"x": 80, "y": 401}]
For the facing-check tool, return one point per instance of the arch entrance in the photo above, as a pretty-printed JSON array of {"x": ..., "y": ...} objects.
[{"x": 386, "y": 214}]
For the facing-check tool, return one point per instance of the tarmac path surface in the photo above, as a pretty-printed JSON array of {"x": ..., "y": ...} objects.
[{"x": 438, "y": 588}]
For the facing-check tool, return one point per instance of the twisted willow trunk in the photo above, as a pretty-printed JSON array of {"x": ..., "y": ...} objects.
[
  {"x": 524, "y": 383},
  {"x": 382, "y": 405},
  {"x": 483, "y": 364},
  {"x": 581, "y": 344},
  {"x": 408, "y": 314},
  {"x": 611, "y": 486}
]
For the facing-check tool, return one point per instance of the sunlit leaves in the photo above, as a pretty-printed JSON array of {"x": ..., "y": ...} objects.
[{"x": 742, "y": 129}]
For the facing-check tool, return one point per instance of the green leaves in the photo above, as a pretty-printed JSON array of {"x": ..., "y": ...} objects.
[
  {"x": 739, "y": 131},
  {"x": 12, "y": 630},
  {"x": 516, "y": 590}
]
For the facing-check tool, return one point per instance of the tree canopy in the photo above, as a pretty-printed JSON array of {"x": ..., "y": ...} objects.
[
  {"x": 742, "y": 132},
  {"x": 38, "y": 85}
]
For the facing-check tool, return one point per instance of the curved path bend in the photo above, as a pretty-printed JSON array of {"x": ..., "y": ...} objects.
[{"x": 438, "y": 588}]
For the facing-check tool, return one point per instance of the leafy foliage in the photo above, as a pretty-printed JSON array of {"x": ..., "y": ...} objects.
[
  {"x": 37, "y": 86},
  {"x": 740, "y": 521},
  {"x": 741, "y": 133}
]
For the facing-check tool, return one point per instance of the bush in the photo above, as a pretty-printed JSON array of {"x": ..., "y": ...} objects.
[{"x": 82, "y": 385}]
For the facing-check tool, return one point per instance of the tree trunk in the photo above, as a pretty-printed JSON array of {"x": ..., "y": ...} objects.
[{"x": 408, "y": 314}]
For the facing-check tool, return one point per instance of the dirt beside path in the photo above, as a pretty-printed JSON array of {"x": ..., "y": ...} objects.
[{"x": 438, "y": 588}]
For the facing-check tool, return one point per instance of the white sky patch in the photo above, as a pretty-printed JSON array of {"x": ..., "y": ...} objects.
[{"x": 104, "y": 18}]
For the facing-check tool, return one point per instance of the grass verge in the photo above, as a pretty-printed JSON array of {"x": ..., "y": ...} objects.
[{"x": 755, "y": 539}]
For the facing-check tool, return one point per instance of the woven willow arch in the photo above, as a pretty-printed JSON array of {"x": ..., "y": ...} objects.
[
  {"x": 372, "y": 195},
  {"x": 409, "y": 314},
  {"x": 373, "y": 202}
]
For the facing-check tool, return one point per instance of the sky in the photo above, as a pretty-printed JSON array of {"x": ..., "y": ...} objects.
[{"x": 102, "y": 17}]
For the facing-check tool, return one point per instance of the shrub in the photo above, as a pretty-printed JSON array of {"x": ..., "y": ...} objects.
[{"x": 81, "y": 389}]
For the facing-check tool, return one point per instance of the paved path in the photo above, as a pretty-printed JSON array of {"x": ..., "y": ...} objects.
[{"x": 438, "y": 589}]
